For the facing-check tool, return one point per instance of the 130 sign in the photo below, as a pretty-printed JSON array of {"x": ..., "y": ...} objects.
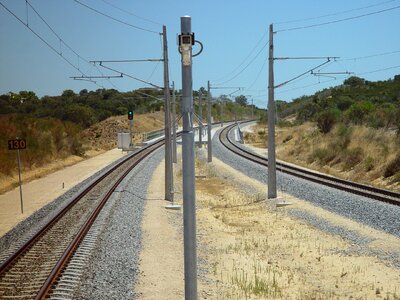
[{"x": 16, "y": 144}]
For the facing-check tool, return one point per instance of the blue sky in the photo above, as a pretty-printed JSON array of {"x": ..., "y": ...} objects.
[{"x": 233, "y": 33}]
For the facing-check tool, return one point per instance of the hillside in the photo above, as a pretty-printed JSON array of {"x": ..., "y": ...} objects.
[
  {"x": 357, "y": 153},
  {"x": 53, "y": 145},
  {"x": 351, "y": 131},
  {"x": 103, "y": 135},
  {"x": 61, "y": 130},
  {"x": 356, "y": 101}
]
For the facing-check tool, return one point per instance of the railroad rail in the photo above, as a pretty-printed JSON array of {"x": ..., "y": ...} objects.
[
  {"x": 338, "y": 183},
  {"x": 31, "y": 272}
]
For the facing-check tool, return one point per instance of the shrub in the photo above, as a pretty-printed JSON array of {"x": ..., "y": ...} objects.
[
  {"x": 344, "y": 134},
  {"x": 76, "y": 147},
  {"x": 284, "y": 123},
  {"x": 393, "y": 167},
  {"x": 352, "y": 157},
  {"x": 396, "y": 177},
  {"x": 322, "y": 155},
  {"x": 369, "y": 164},
  {"x": 326, "y": 119},
  {"x": 359, "y": 111},
  {"x": 288, "y": 138}
]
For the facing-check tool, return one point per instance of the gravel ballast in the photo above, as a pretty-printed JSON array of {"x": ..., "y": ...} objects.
[
  {"x": 114, "y": 262},
  {"x": 13, "y": 239},
  {"x": 378, "y": 215}
]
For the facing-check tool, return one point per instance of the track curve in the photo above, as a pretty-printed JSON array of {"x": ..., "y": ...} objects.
[{"x": 338, "y": 183}]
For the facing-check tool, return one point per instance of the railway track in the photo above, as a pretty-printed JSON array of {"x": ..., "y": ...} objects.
[
  {"x": 33, "y": 270},
  {"x": 341, "y": 184}
]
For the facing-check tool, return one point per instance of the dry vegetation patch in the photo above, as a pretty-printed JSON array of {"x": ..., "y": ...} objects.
[
  {"x": 356, "y": 153},
  {"x": 256, "y": 251},
  {"x": 96, "y": 140}
]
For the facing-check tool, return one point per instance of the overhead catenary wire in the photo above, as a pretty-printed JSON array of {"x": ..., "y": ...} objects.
[
  {"x": 305, "y": 86},
  {"x": 55, "y": 33},
  {"x": 244, "y": 60},
  {"x": 379, "y": 70},
  {"x": 154, "y": 70},
  {"x": 132, "y": 14},
  {"x": 132, "y": 77},
  {"x": 242, "y": 70},
  {"x": 302, "y": 74},
  {"x": 127, "y": 60},
  {"x": 61, "y": 40},
  {"x": 258, "y": 74},
  {"x": 115, "y": 19},
  {"x": 339, "y": 20},
  {"x": 334, "y": 14},
  {"x": 41, "y": 38},
  {"x": 370, "y": 56},
  {"x": 336, "y": 79}
]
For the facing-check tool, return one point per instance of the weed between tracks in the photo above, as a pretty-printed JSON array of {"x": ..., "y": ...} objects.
[{"x": 255, "y": 251}]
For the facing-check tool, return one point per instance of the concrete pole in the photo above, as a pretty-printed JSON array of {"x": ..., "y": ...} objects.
[
  {"x": 174, "y": 151},
  {"x": 167, "y": 113},
  {"x": 235, "y": 108},
  {"x": 201, "y": 120},
  {"x": 222, "y": 113},
  {"x": 252, "y": 110},
  {"x": 271, "y": 120},
  {"x": 209, "y": 144},
  {"x": 189, "y": 196}
]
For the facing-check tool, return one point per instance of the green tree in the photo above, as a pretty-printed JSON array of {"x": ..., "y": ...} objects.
[
  {"x": 241, "y": 100},
  {"x": 354, "y": 81},
  {"x": 79, "y": 114},
  {"x": 68, "y": 93}
]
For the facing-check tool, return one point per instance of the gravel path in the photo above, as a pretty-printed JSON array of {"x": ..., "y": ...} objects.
[{"x": 378, "y": 215}]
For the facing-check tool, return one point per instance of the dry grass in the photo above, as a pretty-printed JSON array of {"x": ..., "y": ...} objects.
[
  {"x": 357, "y": 153},
  {"x": 97, "y": 139},
  {"x": 255, "y": 251}
]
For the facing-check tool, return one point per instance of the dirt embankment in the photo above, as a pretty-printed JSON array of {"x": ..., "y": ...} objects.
[
  {"x": 96, "y": 140},
  {"x": 355, "y": 153}
]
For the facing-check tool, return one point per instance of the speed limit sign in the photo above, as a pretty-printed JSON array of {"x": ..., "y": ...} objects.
[{"x": 16, "y": 144}]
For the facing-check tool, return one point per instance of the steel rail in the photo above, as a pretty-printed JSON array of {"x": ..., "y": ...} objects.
[
  {"x": 10, "y": 261},
  {"x": 328, "y": 180},
  {"x": 28, "y": 244},
  {"x": 56, "y": 272}
]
